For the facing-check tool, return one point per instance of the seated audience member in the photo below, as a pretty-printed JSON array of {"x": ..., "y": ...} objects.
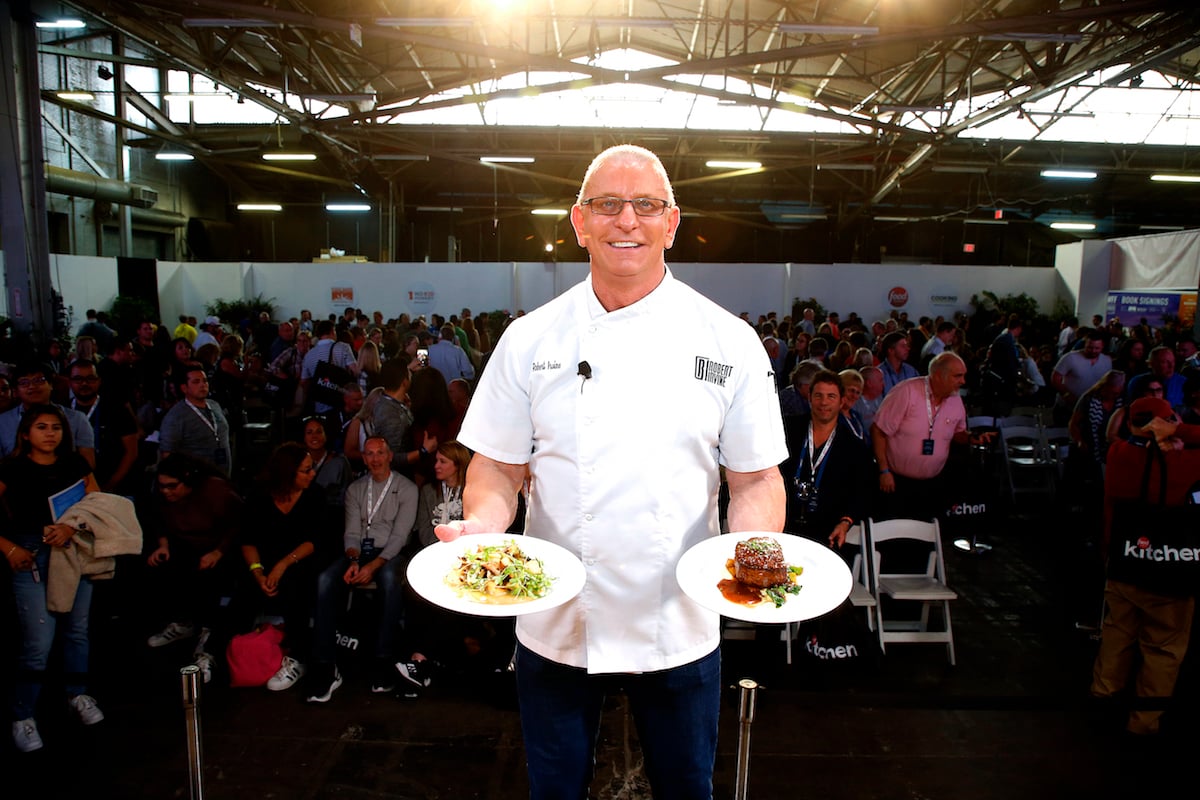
[
  {"x": 872, "y": 395},
  {"x": 196, "y": 426},
  {"x": 282, "y": 524},
  {"x": 32, "y": 379},
  {"x": 381, "y": 508},
  {"x": 197, "y": 520},
  {"x": 793, "y": 399},
  {"x": 429, "y": 630},
  {"x": 829, "y": 472},
  {"x": 1157, "y": 626},
  {"x": 43, "y": 464},
  {"x": 852, "y": 388}
]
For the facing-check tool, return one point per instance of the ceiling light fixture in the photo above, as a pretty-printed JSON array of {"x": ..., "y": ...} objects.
[
  {"x": 173, "y": 155},
  {"x": 549, "y": 212},
  {"x": 347, "y": 207},
  {"x": 360, "y": 97},
  {"x": 719, "y": 164},
  {"x": 507, "y": 159},
  {"x": 78, "y": 95},
  {"x": 64, "y": 24},
  {"x": 970, "y": 221},
  {"x": 259, "y": 207},
  {"x": 1071, "y": 174},
  {"x": 1161, "y": 228},
  {"x": 804, "y": 216},
  {"x": 959, "y": 169},
  {"x": 898, "y": 219},
  {"x": 289, "y": 156},
  {"x": 1073, "y": 226},
  {"x": 447, "y": 209},
  {"x": 399, "y": 157},
  {"x": 1166, "y": 177},
  {"x": 833, "y": 30}
]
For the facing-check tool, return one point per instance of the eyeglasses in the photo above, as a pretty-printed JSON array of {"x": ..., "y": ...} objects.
[
  {"x": 612, "y": 206},
  {"x": 25, "y": 383}
]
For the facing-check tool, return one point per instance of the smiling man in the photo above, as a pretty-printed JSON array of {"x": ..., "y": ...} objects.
[{"x": 624, "y": 481}]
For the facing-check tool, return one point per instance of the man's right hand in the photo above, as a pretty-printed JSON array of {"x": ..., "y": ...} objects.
[
  {"x": 451, "y": 530},
  {"x": 887, "y": 483}
]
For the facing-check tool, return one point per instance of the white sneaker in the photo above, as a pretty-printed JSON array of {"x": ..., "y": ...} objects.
[
  {"x": 172, "y": 633},
  {"x": 289, "y": 672},
  {"x": 25, "y": 735},
  {"x": 86, "y": 709},
  {"x": 205, "y": 662}
]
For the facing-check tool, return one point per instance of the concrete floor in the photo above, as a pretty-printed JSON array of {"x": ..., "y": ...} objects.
[{"x": 1011, "y": 721}]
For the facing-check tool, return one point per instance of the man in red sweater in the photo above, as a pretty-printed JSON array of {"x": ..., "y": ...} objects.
[{"x": 1137, "y": 619}]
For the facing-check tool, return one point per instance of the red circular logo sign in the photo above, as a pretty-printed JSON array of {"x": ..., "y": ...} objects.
[
  {"x": 1143, "y": 543},
  {"x": 898, "y": 296}
]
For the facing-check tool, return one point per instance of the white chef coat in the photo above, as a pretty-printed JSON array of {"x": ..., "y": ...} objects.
[{"x": 624, "y": 464}]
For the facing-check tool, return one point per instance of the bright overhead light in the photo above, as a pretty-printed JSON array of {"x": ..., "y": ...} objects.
[
  {"x": 898, "y": 219},
  {"x": 347, "y": 207},
  {"x": 549, "y": 247},
  {"x": 399, "y": 157},
  {"x": 971, "y": 221},
  {"x": 168, "y": 155},
  {"x": 843, "y": 30},
  {"x": 1073, "y": 174},
  {"x": 289, "y": 156},
  {"x": 446, "y": 209},
  {"x": 549, "y": 212},
  {"x": 719, "y": 164},
  {"x": 77, "y": 95},
  {"x": 1166, "y": 177},
  {"x": 259, "y": 207},
  {"x": 1073, "y": 226},
  {"x": 507, "y": 159},
  {"x": 61, "y": 24}
]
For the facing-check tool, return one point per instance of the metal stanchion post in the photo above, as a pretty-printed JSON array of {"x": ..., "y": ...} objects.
[
  {"x": 190, "y": 676},
  {"x": 746, "y": 717}
]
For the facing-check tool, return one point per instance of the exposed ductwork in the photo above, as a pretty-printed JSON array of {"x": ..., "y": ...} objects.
[{"x": 81, "y": 184}]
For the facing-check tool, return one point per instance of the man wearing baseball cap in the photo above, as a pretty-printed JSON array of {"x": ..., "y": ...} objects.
[
  {"x": 1139, "y": 619},
  {"x": 208, "y": 333}
]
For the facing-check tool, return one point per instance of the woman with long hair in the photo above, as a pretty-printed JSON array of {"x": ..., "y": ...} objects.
[
  {"x": 283, "y": 522},
  {"x": 367, "y": 367},
  {"x": 1089, "y": 421},
  {"x": 44, "y": 464},
  {"x": 332, "y": 474},
  {"x": 360, "y": 428},
  {"x": 434, "y": 416}
]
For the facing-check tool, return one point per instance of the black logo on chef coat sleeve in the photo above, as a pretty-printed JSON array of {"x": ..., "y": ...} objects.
[{"x": 711, "y": 371}]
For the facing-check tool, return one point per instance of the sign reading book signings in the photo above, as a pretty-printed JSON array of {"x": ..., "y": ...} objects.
[{"x": 1130, "y": 306}]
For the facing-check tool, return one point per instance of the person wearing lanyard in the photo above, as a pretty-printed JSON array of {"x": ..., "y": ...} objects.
[
  {"x": 196, "y": 426},
  {"x": 911, "y": 437},
  {"x": 828, "y": 467},
  {"x": 113, "y": 425},
  {"x": 381, "y": 508}
]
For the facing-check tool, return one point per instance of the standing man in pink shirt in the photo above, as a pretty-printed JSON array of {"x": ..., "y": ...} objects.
[{"x": 911, "y": 437}]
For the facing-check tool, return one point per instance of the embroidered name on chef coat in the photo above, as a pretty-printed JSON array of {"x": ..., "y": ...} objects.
[
  {"x": 711, "y": 371},
  {"x": 539, "y": 366}
]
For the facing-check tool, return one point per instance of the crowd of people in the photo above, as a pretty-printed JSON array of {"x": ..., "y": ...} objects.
[{"x": 374, "y": 447}]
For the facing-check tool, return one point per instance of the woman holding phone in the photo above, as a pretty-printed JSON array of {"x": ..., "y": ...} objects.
[{"x": 44, "y": 464}]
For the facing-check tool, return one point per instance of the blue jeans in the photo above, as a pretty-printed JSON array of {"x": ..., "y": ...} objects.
[
  {"x": 331, "y": 602},
  {"x": 675, "y": 711},
  {"x": 38, "y": 626}
]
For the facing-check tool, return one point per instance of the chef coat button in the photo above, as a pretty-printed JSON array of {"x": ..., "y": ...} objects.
[
  {"x": 588, "y": 517},
  {"x": 591, "y": 562},
  {"x": 592, "y": 329}
]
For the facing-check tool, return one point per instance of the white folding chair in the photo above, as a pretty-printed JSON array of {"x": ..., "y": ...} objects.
[
  {"x": 928, "y": 586},
  {"x": 863, "y": 591},
  {"x": 1018, "y": 421},
  {"x": 1057, "y": 441}
]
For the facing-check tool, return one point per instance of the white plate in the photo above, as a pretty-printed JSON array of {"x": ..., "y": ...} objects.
[
  {"x": 428, "y": 569},
  {"x": 825, "y": 582}
]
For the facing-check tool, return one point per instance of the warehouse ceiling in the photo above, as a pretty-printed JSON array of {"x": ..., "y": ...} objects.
[{"x": 898, "y": 94}]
